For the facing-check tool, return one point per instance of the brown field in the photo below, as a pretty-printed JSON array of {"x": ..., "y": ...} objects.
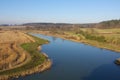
[{"x": 11, "y": 54}]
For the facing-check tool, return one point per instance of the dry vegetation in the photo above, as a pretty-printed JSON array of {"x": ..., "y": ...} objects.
[
  {"x": 19, "y": 55},
  {"x": 102, "y": 38},
  {"x": 11, "y": 54}
]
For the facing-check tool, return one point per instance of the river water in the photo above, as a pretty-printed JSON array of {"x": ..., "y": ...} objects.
[{"x": 77, "y": 61}]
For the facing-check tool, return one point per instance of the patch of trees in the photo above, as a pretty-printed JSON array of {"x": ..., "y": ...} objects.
[
  {"x": 4, "y": 25},
  {"x": 52, "y": 26},
  {"x": 72, "y": 27},
  {"x": 113, "y": 40},
  {"x": 97, "y": 38},
  {"x": 91, "y": 36},
  {"x": 0, "y": 29},
  {"x": 109, "y": 24}
]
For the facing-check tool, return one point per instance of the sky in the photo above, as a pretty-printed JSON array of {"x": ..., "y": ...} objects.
[{"x": 58, "y": 11}]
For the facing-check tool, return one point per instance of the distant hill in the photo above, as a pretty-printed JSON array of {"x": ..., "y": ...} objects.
[
  {"x": 103, "y": 24},
  {"x": 109, "y": 24},
  {"x": 66, "y": 26},
  {"x": 59, "y": 25},
  {"x": 45, "y": 24},
  {"x": 48, "y": 26}
]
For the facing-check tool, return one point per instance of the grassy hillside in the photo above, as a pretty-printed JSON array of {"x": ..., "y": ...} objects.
[
  {"x": 36, "y": 58},
  {"x": 109, "y": 24}
]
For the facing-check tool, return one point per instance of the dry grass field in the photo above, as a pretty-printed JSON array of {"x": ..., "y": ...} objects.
[
  {"x": 19, "y": 55},
  {"x": 11, "y": 54}
]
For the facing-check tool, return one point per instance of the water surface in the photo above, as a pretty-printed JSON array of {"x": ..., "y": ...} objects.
[{"x": 77, "y": 61}]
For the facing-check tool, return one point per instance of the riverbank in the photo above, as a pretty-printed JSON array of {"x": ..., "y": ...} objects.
[
  {"x": 101, "y": 45},
  {"x": 66, "y": 52},
  {"x": 37, "y": 62},
  {"x": 40, "y": 68}
]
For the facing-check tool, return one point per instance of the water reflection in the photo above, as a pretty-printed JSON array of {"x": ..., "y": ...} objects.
[
  {"x": 105, "y": 72},
  {"x": 54, "y": 38}
]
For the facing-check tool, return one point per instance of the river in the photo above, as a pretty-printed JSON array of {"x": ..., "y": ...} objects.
[{"x": 77, "y": 61}]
